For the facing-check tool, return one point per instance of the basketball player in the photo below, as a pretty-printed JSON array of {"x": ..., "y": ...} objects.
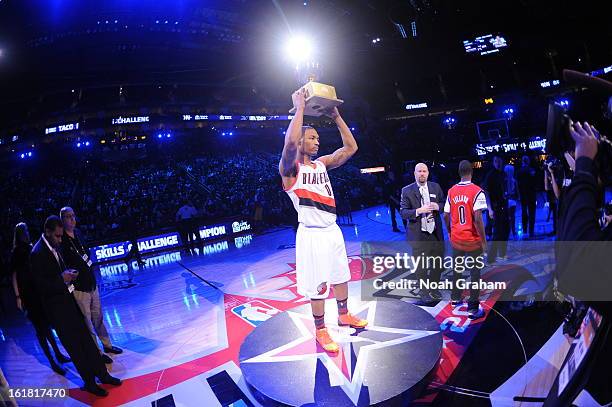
[
  {"x": 463, "y": 215},
  {"x": 320, "y": 254}
]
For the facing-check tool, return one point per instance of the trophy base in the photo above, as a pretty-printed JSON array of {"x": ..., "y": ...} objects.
[
  {"x": 319, "y": 99},
  {"x": 317, "y": 105}
]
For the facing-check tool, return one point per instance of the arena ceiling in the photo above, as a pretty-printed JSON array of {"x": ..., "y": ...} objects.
[{"x": 58, "y": 45}]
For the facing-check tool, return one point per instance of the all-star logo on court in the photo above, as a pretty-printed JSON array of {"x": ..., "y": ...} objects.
[{"x": 347, "y": 368}]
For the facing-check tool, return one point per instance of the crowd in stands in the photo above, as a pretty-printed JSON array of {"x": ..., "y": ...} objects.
[{"x": 142, "y": 195}]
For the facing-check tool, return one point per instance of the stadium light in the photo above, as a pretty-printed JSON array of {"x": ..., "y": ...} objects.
[
  {"x": 449, "y": 122},
  {"x": 299, "y": 49},
  {"x": 508, "y": 112}
]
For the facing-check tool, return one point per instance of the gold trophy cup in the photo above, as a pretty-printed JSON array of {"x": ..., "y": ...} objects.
[{"x": 319, "y": 99}]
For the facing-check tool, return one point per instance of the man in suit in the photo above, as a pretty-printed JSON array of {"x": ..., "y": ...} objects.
[
  {"x": 53, "y": 280},
  {"x": 421, "y": 204}
]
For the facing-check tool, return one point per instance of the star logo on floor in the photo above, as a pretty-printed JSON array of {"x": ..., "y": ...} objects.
[{"x": 347, "y": 367}]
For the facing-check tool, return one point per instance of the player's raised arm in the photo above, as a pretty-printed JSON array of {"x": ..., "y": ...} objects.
[
  {"x": 349, "y": 145},
  {"x": 292, "y": 136}
]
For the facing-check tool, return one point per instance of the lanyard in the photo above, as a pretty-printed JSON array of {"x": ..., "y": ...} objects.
[{"x": 74, "y": 247}]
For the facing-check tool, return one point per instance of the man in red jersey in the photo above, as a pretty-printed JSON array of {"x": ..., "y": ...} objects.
[{"x": 463, "y": 215}]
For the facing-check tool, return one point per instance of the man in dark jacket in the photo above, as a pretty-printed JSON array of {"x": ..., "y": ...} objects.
[
  {"x": 527, "y": 188},
  {"x": 391, "y": 192},
  {"x": 85, "y": 288},
  {"x": 497, "y": 202},
  {"x": 53, "y": 280}
]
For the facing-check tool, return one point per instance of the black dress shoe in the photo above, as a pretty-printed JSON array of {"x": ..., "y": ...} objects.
[
  {"x": 106, "y": 359},
  {"x": 94, "y": 389},
  {"x": 435, "y": 294},
  {"x": 62, "y": 359},
  {"x": 58, "y": 369},
  {"x": 426, "y": 300},
  {"x": 113, "y": 349},
  {"x": 108, "y": 379}
]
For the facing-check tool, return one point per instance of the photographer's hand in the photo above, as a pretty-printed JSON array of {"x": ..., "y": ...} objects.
[{"x": 586, "y": 142}]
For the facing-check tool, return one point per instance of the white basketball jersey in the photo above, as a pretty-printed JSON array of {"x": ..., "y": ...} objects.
[{"x": 312, "y": 195}]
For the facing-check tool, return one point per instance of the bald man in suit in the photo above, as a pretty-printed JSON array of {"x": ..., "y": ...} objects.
[{"x": 421, "y": 204}]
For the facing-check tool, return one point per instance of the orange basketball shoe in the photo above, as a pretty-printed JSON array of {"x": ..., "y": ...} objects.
[
  {"x": 351, "y": 320},
  {"x": 326, "y": 341}
]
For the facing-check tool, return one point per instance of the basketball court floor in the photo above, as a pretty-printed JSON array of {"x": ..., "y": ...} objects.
[{"x": 182, "y": 318}]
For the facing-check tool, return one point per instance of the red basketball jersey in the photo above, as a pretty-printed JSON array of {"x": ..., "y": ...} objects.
[{"x": 462, "y": 201}]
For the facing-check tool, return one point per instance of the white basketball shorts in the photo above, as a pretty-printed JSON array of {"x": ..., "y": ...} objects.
[{"x": 320, "y": 257}]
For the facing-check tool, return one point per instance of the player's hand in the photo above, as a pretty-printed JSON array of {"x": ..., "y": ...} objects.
[
  {"x": 434, "y": 206},
  {"x": 299, "y": 99},
  {"x": 586, "y": 142},
  {"x": 332, "y": 113},
  {"x": 491, "y": 214},
  {"x": 19, "y": 304}
]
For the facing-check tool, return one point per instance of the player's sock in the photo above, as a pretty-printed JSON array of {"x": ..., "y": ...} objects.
[
  {"x": 342, "y": 306},
  {"x": 319, "y": 321}
]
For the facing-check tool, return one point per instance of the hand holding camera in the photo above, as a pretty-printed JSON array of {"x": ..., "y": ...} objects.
[{"x": 585, "y": 138}]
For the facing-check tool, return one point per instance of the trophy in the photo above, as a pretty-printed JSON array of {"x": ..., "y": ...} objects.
[{"x": 320, "y": 97}]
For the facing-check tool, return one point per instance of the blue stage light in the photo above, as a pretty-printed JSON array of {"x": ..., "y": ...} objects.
[
  {"x": 449, "y": 121},
  {"x": 79, "y": 145},
  {"x": 29, "y": 154},
  {"x": 231, "y": 133},
  {"x": 87, "y": 144},
  {"x": 508, "y": 112},
  {"x": 22, "y": 155},
  {"x": 159, "y": 136}
]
